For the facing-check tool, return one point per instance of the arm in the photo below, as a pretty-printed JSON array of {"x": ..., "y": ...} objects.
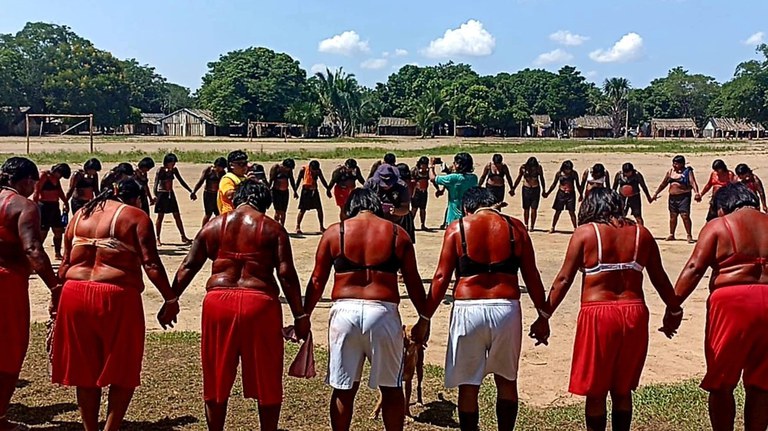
[
  {"x": 411, "y": 277},
  {"x": 299, "y": 179},
  {"x": 272, "y": 176},
  {"x": 150, "y": 258},
  {"x": 323, "y": 264},
  {"x": 542, "y": 180},
  {"x": 374, "y": 167},
  {"x": 579, "y": 186},
  {"x": 658, "y": 275},
  {"x": 564, "y": 279},
  {"x": 519, "y": 178},
  {"x": 616, "y": 182},
  {"x": 702, "y": 257},
  {"x": 484, "y": 175},
  {"x": 289, "y": 281},
  {"x": 39, "y": 186},
  {"x": 32, "y": 244},
  {"x": 761, "y": 193},
  {"x": 555, "y": 179},
  {"x": 607, "y": 180},
  {"x": 507, "y": 175},
  {"x": 359, "y": 177},
  {"x": 662, "y": 186},
  {"x": 193, "y": 263},
  {"x": 707, "y": 186},
  {"x": 63, "y": 198},
  {"x": 445, "y": 269},
  {"x": 322, "y": 180},
  {"x": 641, "y": 180},
  {"x": 583, "y": 185},
  {"x": 157, "y": 180},
  {"x": 334, "y": 177},
  {"x": 72, "y": 183},
  {"x": 292, "y": 182},
  {"x": 695, "y": 185},
  {"x": 200, "y": 182},
  {"x": 181, "y": 180},
  {"x": 529, "y": 270}
]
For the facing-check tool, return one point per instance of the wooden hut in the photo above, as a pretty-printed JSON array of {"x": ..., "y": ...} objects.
[
  {"x": 395, "y": 126},
  {"x": 541, "y": 126},
  {"x": 13, "y": 121},
  {"x": 591, "y": 126},
  {"x": 149, "y": 124},
  {"x": 674, "y": 128},
  {"x": 189, "y": 122},
  {"x": 732, "y": 128}
]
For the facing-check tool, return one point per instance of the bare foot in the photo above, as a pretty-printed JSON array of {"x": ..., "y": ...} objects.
[
  {"x": 59, "y": 257},
  {"x": 186, "y": 240},
  {"x": 322, "y": 230},
  {"x": 424, "y": 228},
  {"x": 299, "y": 232},
  {"x": 670, "y": 238},
  {"x": 159, "y": 243},
  {"x": 690, "y": 239},
  {"x": 552, "y": 230}
]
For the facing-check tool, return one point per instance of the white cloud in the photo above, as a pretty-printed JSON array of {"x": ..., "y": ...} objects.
[
  {"x": 557, "y": 56},
  {"x": 591, "y": 75},
  {"x": 565, "y": 37},
  {"x": 471, "y": 39},
  {"x": 401, "y": 52},
  {"x": 755, "y": 39},
  {"x": 374, "y": 63},
  {"x": 628, "y": 48},
  {"x": 347, "y": 43},
  {"x": 318, "y": 68}
]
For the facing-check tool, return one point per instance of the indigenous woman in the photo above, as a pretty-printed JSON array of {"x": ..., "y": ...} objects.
[
  {"x": 493, "y": 177},
  {"x": 534, "y": 184},
  {"x": 719, "y": 177},
  {"x": 84, "y": 185},
  {"x": 681, "y": 182},
  {"x": 628, "y": 183},
  {"x": 281, "y": 182},
  {"x": 567, "y": 182},
  {"x": 141, "y": 175},
  {"x": 344, "y": 179},
  {"x": 166, "y": 198},
  {"x": 595, "y": 177},
  {"x": 753, "y": 183},
  {"x": 420, "y": 197},
  {"x": 310, "y": 195},
  {"x": 48, "y": 193},
  {"x": 211, "y": 177}
]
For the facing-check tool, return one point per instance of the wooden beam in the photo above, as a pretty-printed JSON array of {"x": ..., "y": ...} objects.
[
  {"x": 27, "y": 121},
  {"x": 60, "y": 115}
]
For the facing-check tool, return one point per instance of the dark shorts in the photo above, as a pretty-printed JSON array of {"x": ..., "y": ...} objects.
[
  {"x": 497, "y": 192},
  {"x": 711, "y": 212},
  {"x": 633, "y": 203},
  {"x": 680, "y": 204},
  {"x": 309, "y": 200},
  {"x": 209, "y": 203},
  {"x": 280, "y": 200},
  {"x": 76, "y": 204},
  {"x": 50, "y": 216},
  {"x": 145, "y": 203},
  {"x": 408, "y": 224},
  {"x": 564, "y": 201},
  {"x": 531, "y": 197},
  {"x": 420, "y": 199},
  {"x": 166, "y": 203}
]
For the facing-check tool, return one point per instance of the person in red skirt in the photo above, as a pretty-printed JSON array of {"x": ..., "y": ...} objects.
[
  {"x": 242, "y": 315},
  {"x": 344, "y": 179},
  {"x": 612, "y": 330},
  {"x": 21, "y": 252},
  {"x": 98, "y": 336}
]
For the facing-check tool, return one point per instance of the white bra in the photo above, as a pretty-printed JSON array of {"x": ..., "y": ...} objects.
[
  {"x": 596, "y": 181},
  {"x": 610, "y": 267}
]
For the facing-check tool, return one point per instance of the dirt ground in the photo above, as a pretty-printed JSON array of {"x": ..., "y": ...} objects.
[{"x": 543, "y": 370}]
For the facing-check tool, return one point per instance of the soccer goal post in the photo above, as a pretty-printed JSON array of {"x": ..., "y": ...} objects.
[{"x": 85, "y": 118}]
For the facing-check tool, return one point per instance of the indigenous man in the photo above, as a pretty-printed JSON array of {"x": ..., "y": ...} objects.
[
  {"x": 141, "y": 175},
  {"x": 366, "y": 253},
  {"x": 242, "y": 315},
  {"x": 309, "y": 199},
  {"x": 456, "y": 183},
  {"x": 211, "y": 177},
  {"x": 485, "y": 334},
  {"x": 719, "y": 177},
  {"x": 166, "y": 197},
  {"x": 628, "y": 183},
  {"x": 48, "y": 193},
  {"x": 567, "y": 182},
  {"x": 21, "y": 252},
  {"x": 612, "y": 330},
  {"x": 753, "y": 183},
  {"x": 238, "y": 167},
  {"x": 420, "y": 197},
  {"x": 736, "y": 342},
  {"x": 681, "y": 182},
  {"x": 533, "y": 186},
  {"x": 84, "y": 185},
  {"x": 344, "y": 179},
  {"x": 98, "y": 338},
  {"x": 493, "y": 177},
  {"x": 395, "y": 198},
  {"x": 595, "y": 177},
  {"x": 281, "y": 182}
]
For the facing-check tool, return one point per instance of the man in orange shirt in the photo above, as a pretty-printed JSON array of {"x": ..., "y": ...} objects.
[{"x": 237, "y": 162}]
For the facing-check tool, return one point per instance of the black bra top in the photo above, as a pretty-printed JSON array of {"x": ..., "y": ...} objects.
[
  {"x": 468, "y": 267},
  {"x": 86, "y": 182},
  {"x": 342, "y": 264},
  {"x": 49, "y": 185}
]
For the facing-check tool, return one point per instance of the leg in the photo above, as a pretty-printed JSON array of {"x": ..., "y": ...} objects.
[
  {"x": 58, "y": 234},
  {"x": 88, "y": 400},
  {"x": 7, "y": 388},
  {"x": 639, "y": 220},
  {"x": 756, "y": 409},
  {"x": 555, "y": 219},
  {"x": 159, "y": 227},
  {"x": 672, "y": 226},
  {"x": 119, "y": 400},
  {"x": 526, "y": 216},
  {"x": 180, "y": 227},
  {"x": 299, "y": 218},
  {"x": 423, "y": 216},
  {"x": 596, "y": 413},
  {"x": 342, "y": 405},
  {"x": 419, "y": 376},
  {"x": 722, "y": 410},
  {"x": 408, "y": 391},
  {"x": 688, "y": 225},
  {"x": 269, "y": 416},
  {"x": 621, "y": 415},
  {"x": 506, "y": 403},
  {"x": 320, "y": 218},
  {"x": 469, "y": 414},
  {"x": 573, "y": 218},
  {"x": 534, "y": 216},
  {"x": 392, "y": 408},
  {"x": 215, "y": 415}
]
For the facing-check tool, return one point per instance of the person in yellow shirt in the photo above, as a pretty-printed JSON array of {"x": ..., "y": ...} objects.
[{"x": 237, "y": 162}]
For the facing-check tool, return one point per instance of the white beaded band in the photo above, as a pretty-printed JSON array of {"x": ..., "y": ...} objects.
[
  {"x": 303, "y": 316},
  {"x": 172, "y": 301},
  {"x": 544, "y": 314}
]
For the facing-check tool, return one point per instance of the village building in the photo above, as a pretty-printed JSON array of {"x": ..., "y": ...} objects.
[
  {"x": 188, "y": 122},
  {"x": 727, "y": 128},
  {"x": 541, "y": 126},
  {"x": 674, "y": 128},
  {"x": 591, "y": 126},
  {"x": 395, "y": 126}
]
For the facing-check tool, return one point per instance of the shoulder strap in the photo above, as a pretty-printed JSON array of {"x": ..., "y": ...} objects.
[
  {"x": 730, "y": 233},
  {"x": 463, "y": 236},
  {"x": 637, "y": 241},
  {"x": 341, "y": 237},
  {"x": 599, "y": 244},
  {"x": 511, "y": 232},
  {"x": 77, "y": 221},
  {"x": 394, "y": 240},
  {"x": 114, "y": 220}
]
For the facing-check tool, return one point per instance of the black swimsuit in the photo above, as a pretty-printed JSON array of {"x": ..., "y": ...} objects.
[
  {"x": 468, "y": 267},
  {"x": 342, "y": 264}
]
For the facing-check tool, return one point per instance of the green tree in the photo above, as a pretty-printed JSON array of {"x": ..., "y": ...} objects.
[
  {"x": 429, "y": 110},
  {"x": 341, "y": 98},
  {"x": 567, "y": 95},
  {"x": 148, "y": 91},
  {"x": 681, "y": 94},
  {"x": 746, "y": 95},
  {"x": 177, "y": 97},
  {"x": 616, "y": 98},
  {"x": 308, "y": 114}
]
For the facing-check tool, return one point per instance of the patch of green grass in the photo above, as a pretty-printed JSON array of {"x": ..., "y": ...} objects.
[{"x": 170, "y": 398}]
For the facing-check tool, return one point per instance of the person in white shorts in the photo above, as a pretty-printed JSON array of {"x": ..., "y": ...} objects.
[
  {"x": 486, "y": 324},
  {"x": 366, "y": 253}
]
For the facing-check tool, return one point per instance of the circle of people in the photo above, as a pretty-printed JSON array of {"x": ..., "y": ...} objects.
[{"x": 97, "y": 328}]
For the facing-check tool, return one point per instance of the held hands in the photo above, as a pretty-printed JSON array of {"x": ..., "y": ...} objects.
[
  {"x": 512, "y": 192},
  {"x": 420, "y": 332},
  {"x": 697, "y": 197},
  {"x": 328, "y": 192},
  {"x": 153, "y": 201},
  {"x": 671, "y": 323},
  {"x": 193, "y": 196},
  {"x": 765, "y": 209},
  {"x": 53, "y": 305},
  {"x": 168, "y": 314},
  {"x": 301, "y": 327},
  {"x": 540, "y": 331},
  {"x": 544, "y": 195},
  {"x": 65, "y": 209}
]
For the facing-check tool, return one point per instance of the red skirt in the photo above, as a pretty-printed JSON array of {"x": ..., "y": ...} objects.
[
  {"x": 242, "y": 325},
  {"x": 341, "y": 194},
  {"x": 610, "y": 348},
  {"x": 737, "y": 338},
  {"x": 98, "y": 337},
  {"x": 14, "y": 320}
]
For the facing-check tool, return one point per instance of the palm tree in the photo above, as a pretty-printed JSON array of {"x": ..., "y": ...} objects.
[
  {"x": 616, "y": 93},
  {"x": 308, "y": 114},
  {"x": 340, "y": 97},
  {"x": 430, "y": 109}
]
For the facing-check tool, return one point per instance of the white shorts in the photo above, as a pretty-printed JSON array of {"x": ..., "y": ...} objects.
[
  {"x": 485, "y": 338},
  {"x": 360, "y": 329}
]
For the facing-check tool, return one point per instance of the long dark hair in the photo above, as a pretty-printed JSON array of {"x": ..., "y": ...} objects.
[
  {"x": 125, "y": 190},
  {"x": 363, "y": 199},
  {"x": 63, "y": 169},
  {"x": 16, "y": 169},
  {"x": 253, "y": 192},
  {"x": 602, "y": 205},
  {"x": 733, "y": 196}
]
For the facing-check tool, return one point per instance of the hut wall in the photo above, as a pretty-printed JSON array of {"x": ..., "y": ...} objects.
[
  {"x": 398, "y": 131},
  {"x": 183, "y": 123},
  {"x": 590, "y": 133}
]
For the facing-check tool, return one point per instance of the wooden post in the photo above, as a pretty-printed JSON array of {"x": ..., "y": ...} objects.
[
  {"x": 27, "y": 119},
  {"x": 90, "y": 130}
]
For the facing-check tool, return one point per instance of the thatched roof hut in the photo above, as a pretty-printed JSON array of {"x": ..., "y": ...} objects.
[
  {"x": 591, "y": 126},
  {"x": 396, "y": 126},
  {"x": 542, "y": 125},
  {"x": 674, "y": 127},
  {"x": 718, "y": 127}
]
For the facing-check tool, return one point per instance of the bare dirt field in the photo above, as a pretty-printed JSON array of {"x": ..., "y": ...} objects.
[{"x": 544, "y": 370}]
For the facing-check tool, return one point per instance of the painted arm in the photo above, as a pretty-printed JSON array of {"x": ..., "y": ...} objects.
[
  {"x": 200, "y": 182},
  {"x": 321, "y": 177},
  {"x": 153, "y": 267},
  {"x": 183, "y": 183},
  {"x": 508, "y": 176},
  {"x": 529, "y": 270},
  {"x": 607, "y": 180},
  {"x": 289, "y": 281},
  {"x": 761, "y": 193},
  {"x": 574, "y": 256},
  {"x": 519, "y": 178},
  {"x": 662, "y": 186},
  {"x": 695, "y": 185},
  {"x": 657, "y": 274},
  {"x": 484, "y": 176},
  {"x": 32, "y": 244},
  {"x": 196, "y": 258},
  {"x": 320, "y": 275},
  {"x": 411, "y": 276},
  {"x": 445, "y": 269},
  {"x": 641, "y": 180},
  {"x": 542, "y": 179},
  {"x": 39, "y": 187},
  {"x": 707, "y": 186},
  {"x": 702, "y": 257},
  {"x": 334, "y": 177},
  {"x": 272, "y": 176},
  {"x": 583, "y": 185},
  {"x": 555, "y": 179}
]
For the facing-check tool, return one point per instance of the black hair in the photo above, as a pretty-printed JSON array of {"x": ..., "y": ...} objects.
[
  {"x": 602, "y": 205},
  {"x": 221, "y": 162},
  {"x": 94, "y": 164},
  {"x": 289, "y": 163},
  {"x": 423, "y": 160},
  {"x": 390, "y": 159},
  {"x": 497, "y": 158},
  {"x": 627, "y": 167},
  {"x": 679, "y": 160},
  {"x": 598, "y": 170},
  {"x": 123, "y": 169},
  {"x": 566, "y": 166},
  {"x": 464, "y": 163},
  {"x": 62, "y": 169},
  {"x": 237, "y": 156},
  {"x": 253, "y": 192},
  {"x": 351, "y": 164},
  {"x": 532, "y": 162},
  {"x": 719, "y": 165},
  {"x": 476, "y": 198},
  {"x": 125, "y": 190},
  {"x": 16, "y": 169},
  {"x": 314, "y": 164},
  {"x": 170, "y": 158},
  {"x": 733, "y": 196},
  {"x": 405, "y": 171},
  {"x": 147, "y": 163},
  {"x": 743, "y": 169},
  {"x": 363, "y": 199}
]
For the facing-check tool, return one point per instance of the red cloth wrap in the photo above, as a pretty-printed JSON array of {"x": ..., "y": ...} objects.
[
  {"x": 98, "y": 338},
  {"x": 341, "y": 194},
  {"x": 14, "y": 320},
  {"x": 610, "y": 347},
  {"x": 737, "y": 338},
  {"x": 242, "y": 325}
]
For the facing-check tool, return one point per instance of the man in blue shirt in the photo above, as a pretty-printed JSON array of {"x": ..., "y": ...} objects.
[{"x": 456, "y": 183}]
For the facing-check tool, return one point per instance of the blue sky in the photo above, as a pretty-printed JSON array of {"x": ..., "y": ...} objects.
[{"x": 638, "y": 39}]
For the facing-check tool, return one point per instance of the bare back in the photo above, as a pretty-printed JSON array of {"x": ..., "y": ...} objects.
[
  {"x": 12, "y": 255},
  {"x": 738, "y": 256}
]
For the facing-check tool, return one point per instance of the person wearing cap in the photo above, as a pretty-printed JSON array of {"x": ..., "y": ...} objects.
[
  {"x": 395, "y": 197},
  {"x": 343, "y": 180},
  {"x": 237, "y": 162},
  {"x": 389, "y": 159},
  {"x": 456, "y": 183}
]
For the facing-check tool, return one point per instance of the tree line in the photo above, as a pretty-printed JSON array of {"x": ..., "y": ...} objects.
[{"x": 51, "y": 69}]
